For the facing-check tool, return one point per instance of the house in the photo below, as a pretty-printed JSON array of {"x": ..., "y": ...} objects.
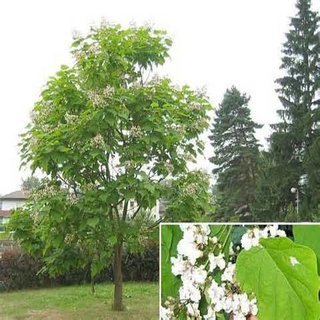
[
  {"x": 156, "y": 212},
  {"x": 9, "y": 202},
  {"x": 15, "y": 199}
]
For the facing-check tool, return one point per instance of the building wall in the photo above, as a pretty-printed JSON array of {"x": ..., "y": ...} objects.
[
  {"x": 11, "y": 204},
  {"x": 132, "y": 207}
]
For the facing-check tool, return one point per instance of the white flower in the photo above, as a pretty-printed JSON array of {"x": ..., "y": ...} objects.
[
  {"x": 166, "y": 314},
  {"x": 273, "y": 230},
  {"x": 135, "y": 132},
  {"x": 195, "y": 278},
  {"x": 214, "y": 240},
  {"x": 216, "y": 261},
  {"x": 281, "y": 233},
  {"x": 240, "y": 305},
  {"x": 189, "y": 250},
  {"x": 95, "y": 97},
  {"x": 195, "y": 105},
  {"x": 239, "y": 316},
  {"x": 108, "y": 91},
  {"x": 211, "y": 315},
  {"x": 189, "y": 292},
  {"x": 216, "y": 294},
  {"x": 196, "y": 233},
  {"x": 253, "y": 307},
  {"x": 178, "y": 265},
  {"x": 250, "y": 239},
  {"x": 97, "y": 141},
  {"x": 228, "y": 304},
  {"x": 228, "y": 274},
  {"x": 244, "y": 303},
  {"x": 193, "y": 311},
  {"x": 70, "y": 118},
  {"x": 264, "y": 233},
  {"x": 195, "y": 275}
]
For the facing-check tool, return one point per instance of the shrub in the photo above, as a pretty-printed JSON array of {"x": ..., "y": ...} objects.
[{"x": 19, "y": 270}]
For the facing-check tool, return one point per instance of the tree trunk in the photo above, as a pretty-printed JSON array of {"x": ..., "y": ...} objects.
[
  {"x": 117, "y": 273},
  {"x": 93, "y": 290}
]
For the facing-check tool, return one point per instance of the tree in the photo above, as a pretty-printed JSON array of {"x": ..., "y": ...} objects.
[
  {"x": 188, "y": 198},
  {"x": 76, "y": 240},
  {"x": 295, "y": 137},
  {"x": 31, "y": 183},
  {"x": 272, "y": 182},
  {"x": 108, "y": 135},
  {"x": 236, "y": 155}
]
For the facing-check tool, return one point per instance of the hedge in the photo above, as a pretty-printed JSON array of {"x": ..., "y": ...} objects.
[{"x": 19, "y": 270}]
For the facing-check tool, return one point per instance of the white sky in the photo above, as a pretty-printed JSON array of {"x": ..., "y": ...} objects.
[{"x": 217, "y": 43}]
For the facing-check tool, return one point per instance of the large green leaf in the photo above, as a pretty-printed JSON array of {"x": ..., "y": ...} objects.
[
  {"x": 283, "y": 276},
  {"x": 224, "y": 235},
  {"x": 308, "y": 236},
  {"x": 170, "y": 236}
]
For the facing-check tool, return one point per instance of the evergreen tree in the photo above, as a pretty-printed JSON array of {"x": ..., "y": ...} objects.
[
  {"x": 273, "y": 182},
  {"x": 235, "y": 156},
  {"x": 296, "y": 137}
]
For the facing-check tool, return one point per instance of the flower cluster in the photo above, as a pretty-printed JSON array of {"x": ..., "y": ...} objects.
[
  {"x": 98, "y": 96},
  {"x": 190, "y": 248},
  {"x": 195, "y": 106},
  {"x": 197, "y": 263},
  {"x": 70, "y": 118},
  {"x": 97, "y": 141},
  {"x": 135, "y": 132},
  {"x": 252, "y": 237}
]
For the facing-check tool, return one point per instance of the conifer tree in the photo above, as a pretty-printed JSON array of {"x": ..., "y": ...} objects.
[
  {"x": 296, "y": 137},
  {"x": 235, "y": 155}
]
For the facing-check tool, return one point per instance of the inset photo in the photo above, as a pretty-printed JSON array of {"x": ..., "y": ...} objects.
[{"x": 240, "y": 272}]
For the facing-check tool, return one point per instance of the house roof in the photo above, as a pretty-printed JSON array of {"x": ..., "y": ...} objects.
[
  {"x": 4, "y": 213},
  {"x": 16, "y": 195}
]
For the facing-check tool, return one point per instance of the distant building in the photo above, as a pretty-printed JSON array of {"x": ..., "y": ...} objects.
[
  {"x": 9, "y": 202},
  {"x": 15, "y": 199},
  {"x": 156, "y": 212}
]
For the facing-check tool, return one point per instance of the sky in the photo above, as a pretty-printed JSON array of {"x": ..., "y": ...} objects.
[{"x": 216, "y": 44}]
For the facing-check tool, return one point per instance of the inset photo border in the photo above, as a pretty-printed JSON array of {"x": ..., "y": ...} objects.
[{"x": 239, "y": 271}]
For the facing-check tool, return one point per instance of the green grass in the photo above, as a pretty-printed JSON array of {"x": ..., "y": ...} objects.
[{"x": 76, "y": 302}]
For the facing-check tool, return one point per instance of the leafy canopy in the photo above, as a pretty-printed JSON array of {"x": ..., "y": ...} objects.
[
  {"x": 100, "y": 125},
  {"x": 105, "y": 135}
]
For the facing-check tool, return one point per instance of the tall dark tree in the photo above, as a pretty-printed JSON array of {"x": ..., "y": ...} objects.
[
  {"x": 235, "y": 157},
  {"x": 295, "y": 140},
  {"x": 272, "y": 183}
]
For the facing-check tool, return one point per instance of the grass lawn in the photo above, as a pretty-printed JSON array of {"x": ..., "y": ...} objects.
[{"x": 76, "y": 302}]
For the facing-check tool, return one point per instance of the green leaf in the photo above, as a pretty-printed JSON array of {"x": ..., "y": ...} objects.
[
  {"x": 283, "y": 276},
  {"x": 221, "y": 316},
  {"x": 223, "y": 233},
  {"x": 203, "y": 305},
  {"x": 92, "y": 222},
  {"x": 238, "y": 232},
  {"x": 308, "y": 236},
  {"x": 170, "y": 236}
]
